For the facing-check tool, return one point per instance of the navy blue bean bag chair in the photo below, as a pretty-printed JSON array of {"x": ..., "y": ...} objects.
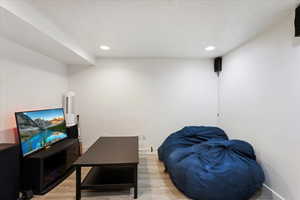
[{"x": 205, "y": 165}]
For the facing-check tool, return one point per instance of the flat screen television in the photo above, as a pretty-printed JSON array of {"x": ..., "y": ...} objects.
[{"x": 39, "y": 129}]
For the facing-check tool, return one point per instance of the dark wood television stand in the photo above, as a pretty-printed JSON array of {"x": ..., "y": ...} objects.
[
  {"x": 43, "y": 170},
  {"x": 114, "y": 162}
]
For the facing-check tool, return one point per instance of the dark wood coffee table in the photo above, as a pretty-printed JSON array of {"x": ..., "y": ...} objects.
[{"x": 114, "y": 162}]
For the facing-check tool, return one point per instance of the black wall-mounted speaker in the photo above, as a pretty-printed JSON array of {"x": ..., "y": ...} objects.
[
  {"x": 297, "y": 22},
  {"x": 9, "y": 171},
  {"x": 218, "y": 65}
]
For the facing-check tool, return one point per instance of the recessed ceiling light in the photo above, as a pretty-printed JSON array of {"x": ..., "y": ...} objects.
[
  {"x": 210, "y": 48},
  {"x": 104, "y": 47}
]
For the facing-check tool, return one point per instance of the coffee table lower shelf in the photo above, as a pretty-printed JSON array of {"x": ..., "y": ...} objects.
[{"x": 107, "y": 178}]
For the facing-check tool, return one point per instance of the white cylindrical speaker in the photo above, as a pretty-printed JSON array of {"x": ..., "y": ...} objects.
[{"x": 70, "y": 116}]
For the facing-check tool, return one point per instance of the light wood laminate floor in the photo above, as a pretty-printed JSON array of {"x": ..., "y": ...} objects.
[{"x": 153, "y": 184}]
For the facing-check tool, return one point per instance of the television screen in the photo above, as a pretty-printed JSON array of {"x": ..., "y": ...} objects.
[{"x": 38, "y": 129}]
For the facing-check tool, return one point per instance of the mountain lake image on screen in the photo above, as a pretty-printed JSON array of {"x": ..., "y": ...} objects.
[{"x": 39, "y": 129}]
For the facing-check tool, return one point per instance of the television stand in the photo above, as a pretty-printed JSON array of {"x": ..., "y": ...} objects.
[{"x": 45, "y": 169}]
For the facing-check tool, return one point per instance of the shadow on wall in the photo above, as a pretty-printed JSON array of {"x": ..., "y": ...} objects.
[{"x": 9, "y": 136}]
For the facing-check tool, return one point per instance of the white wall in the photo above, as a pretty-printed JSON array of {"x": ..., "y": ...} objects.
[
  {"x": 260, "y": 103},
  {"x": 150, "y": 97},
  {"x": 28, "y": 81}
]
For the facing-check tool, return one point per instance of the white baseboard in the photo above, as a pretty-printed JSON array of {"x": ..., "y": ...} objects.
[{"x": 275, "y": 195}]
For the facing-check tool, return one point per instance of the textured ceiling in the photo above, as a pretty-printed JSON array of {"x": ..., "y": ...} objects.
[{"x": 163, "y": 28}]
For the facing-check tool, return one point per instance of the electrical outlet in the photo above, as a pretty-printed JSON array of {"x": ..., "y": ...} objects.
[{"x": 142, "y": 137}]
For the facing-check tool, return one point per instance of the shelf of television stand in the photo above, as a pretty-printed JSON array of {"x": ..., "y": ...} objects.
[
  {"x": 45, "y": 169},
  {"x": 55, "y": 181},
  {"x": 54, "y": 166}
]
